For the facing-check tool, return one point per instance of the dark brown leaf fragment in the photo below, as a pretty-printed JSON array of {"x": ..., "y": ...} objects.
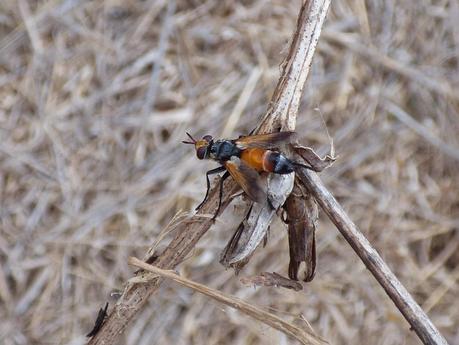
[
  {"x": 301, "y": 217},
  {"x": 99, "y": 321}
]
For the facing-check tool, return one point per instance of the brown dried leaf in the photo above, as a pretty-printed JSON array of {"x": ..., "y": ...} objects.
[
  {"x": 302, "y": 215},
  {"x": 317, "y": 164}
]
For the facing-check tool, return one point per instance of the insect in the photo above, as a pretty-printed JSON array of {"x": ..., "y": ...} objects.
[{"x": 243, "y": 159}]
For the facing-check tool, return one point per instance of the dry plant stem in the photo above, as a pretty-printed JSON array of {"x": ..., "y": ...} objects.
[
  {"x": 281, "y": 114},
  {"x": 412, "y": 312},
  {"x": 188, "y": 233},
  {"x": 303, "y": 336},
  {"x": 285, "y": 102}
]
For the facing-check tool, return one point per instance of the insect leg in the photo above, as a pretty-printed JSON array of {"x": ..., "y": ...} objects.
[
  {"x": 224, "y": 177},
  {"x": 210, "y": 172}
]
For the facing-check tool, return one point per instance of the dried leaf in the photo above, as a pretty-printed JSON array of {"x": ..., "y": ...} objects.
[
  {"x": 253, "y": 229},
  {"x": 313, "y": 159},
  {"x": 302, "y": 215}
]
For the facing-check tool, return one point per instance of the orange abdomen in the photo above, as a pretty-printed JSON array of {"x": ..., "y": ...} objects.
[{"x": 257, "y": 159}]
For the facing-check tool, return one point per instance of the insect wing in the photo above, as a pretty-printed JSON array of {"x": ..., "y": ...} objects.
[
  {"x": 247, "y": 178},
  {"x": 264, "y": 141}
]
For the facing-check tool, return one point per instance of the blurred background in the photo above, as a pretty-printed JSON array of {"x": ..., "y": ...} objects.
[{"x": 95, "y": 97}]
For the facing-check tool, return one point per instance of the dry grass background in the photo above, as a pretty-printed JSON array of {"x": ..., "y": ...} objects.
[{"x": 95, "y": 97}]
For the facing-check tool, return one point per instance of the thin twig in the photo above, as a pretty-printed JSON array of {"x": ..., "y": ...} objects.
[
  {"x": 302, "y": 335},
  {"x": 412, "y": 312}
]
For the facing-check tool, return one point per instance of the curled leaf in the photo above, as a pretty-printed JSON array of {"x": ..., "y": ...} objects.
[{"x": 313, "y": 159}]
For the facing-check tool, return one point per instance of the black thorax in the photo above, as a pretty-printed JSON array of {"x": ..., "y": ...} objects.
[{"x": 223, "y": 150}]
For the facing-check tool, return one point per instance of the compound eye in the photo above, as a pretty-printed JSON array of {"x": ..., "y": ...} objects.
[
  {"x": 201, "y": 152},
  {"x": 207, "y": 138}
]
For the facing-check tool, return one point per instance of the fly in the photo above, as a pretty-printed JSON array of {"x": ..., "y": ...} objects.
[{"x": 244, "y": 159}]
